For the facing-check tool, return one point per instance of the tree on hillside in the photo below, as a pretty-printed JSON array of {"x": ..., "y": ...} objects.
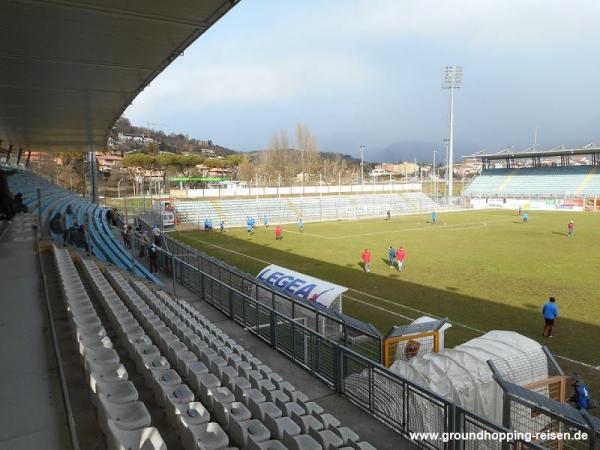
[
  {"x": 246, "y": 170},
  {"x": 309, "y": 150},
  {"x": 235, "y": 160},
  {"x": 138, "y": 159},
  {"x": 74, "y": 161},
  {"x": 162, "y": 163},
  {"x": 186, "y": 165}
]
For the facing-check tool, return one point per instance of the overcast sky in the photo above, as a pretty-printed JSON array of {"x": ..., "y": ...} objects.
[{"x": 369, "y": 72}]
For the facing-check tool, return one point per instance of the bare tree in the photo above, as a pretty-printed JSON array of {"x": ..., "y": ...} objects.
[{"x": 309, "y": 151}]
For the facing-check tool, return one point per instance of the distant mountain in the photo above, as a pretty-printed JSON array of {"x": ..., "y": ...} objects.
[
  {"x": 254, "y": 155},
  {"x": 419, "y": 150}
]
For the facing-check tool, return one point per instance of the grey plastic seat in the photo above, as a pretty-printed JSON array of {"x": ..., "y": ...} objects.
[
  {"x": 100, "y": 355},
  {"x": 139, "y": 439},
  {"x": 162, "y": 378},
  {"x": 150, "y": 367},
  {"x": 242, "y": 431},
  {"x": 260, "y": 410},
  {"x": 128, "y": 416},
  {"x": 326, "y": 438},
  {"x": 239, "y": 385},
  {"x": 300, "y": 442},
  {"x": 176, "y": 397},
  {"x": 106, "y": 372},
  {"x": 184, "y": 360},
  {"x": 362, "y": 446},
  {"x": 278, "y": 425},
  {"x": 211, "y": 436},
  {"x": 206, "y": 382},
  {"x": 218, "y": 395},
  {"x": 345, "y": 434},
  {"x": 266, "y": 445},
  {"x": 116, "y": 391},
  {"x": 306, "y": 422}
]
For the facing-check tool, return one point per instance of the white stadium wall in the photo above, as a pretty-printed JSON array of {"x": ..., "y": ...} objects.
[{"x": 549, "y": 204}]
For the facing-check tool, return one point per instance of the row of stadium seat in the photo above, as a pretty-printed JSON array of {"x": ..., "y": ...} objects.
[
  {"x": 102, "y": 241},
  {"x": 124, "y": 419},
  {"x": 290, "y": 209},
  {"x": 550, "y": 181},
  {"x": 199, "y": 374}
]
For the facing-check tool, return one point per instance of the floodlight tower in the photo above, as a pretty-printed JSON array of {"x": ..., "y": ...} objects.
[{"x": 452, "y": 80}]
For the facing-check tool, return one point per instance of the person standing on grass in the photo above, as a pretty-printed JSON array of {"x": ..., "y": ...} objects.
[
  {"x": 400, "y": 256},
  {"x": 366, "y": 259},
  {"x": 434, "y": 217},
  {"x": 301, "y": 225},
  {"x": 278, "y": 235},
  {"x": 222, "y": 226},
  {"x": 266, "y": 221},
  {"x": 389, "y": 214},
  {"x": 550, "y": 313},
  {"x": 391, "y": 256},
  {"x": 525, "y": 218},
  {"x": 571, "y": 229}
]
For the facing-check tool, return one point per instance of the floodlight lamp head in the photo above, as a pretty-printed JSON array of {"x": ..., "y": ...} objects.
[{"x": 452, "y": 77}]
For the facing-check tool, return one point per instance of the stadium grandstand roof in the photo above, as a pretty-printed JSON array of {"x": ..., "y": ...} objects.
[
  {"x": 533, "y": 153},
  {"x": 69, "y": 68}
]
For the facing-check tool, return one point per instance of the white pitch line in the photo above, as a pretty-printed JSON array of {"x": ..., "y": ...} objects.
[{"x": 462, "y": 325}]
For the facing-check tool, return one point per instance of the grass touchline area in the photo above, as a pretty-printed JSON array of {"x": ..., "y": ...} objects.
[{"x": 493, "y": 270}]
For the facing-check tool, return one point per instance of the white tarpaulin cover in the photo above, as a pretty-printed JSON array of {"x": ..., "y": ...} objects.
[
  {"x": 462, "y": 374},
  {"x": 300, "y": 285}
]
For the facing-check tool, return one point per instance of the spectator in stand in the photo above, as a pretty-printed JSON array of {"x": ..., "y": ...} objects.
[
  {"x": 571, "y": 229},
  {"x": 56, "y": 227},
  {"x": 82, "y": 241},
  {"x": 153, "y": 257},
  {"x": 18, "y": 205},
  {"x": 278, "y": 233},
  {"x": 70, "y": 212},
  {"x": 127, "y": 232},
  {"x": 400, "y": 257},
  {"x": 366, "y": 259},
  {"x": 391, "y": 256},
  {"x": 144, "y": 242},
  {"x": 156, "y": 235},
  {"x": 6, "y": 204},
  {"x": 550, "y": 313}
]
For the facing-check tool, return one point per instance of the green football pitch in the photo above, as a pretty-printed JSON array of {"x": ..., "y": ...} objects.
[{"x": 484, "y": 270}]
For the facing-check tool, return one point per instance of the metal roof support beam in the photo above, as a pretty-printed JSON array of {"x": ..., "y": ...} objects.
[
  {"x": 28, "y": 158},
  {"x": 19, "y": 155},
  {"x": 93, "y": 175},
  {"x": 8, "y": 154}
]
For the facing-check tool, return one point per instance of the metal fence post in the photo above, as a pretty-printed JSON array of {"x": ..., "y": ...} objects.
[
  {"x": 338, "y": 369},
  {"x": 39, "y": 199},
  {"x": 173, "y": 273},
  {"x": 132, "y": 245}
]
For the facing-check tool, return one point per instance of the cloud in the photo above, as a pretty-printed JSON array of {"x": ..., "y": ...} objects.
[
  {"x": 193, "y": 84},
  {"x": 481, "y": 21}
]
